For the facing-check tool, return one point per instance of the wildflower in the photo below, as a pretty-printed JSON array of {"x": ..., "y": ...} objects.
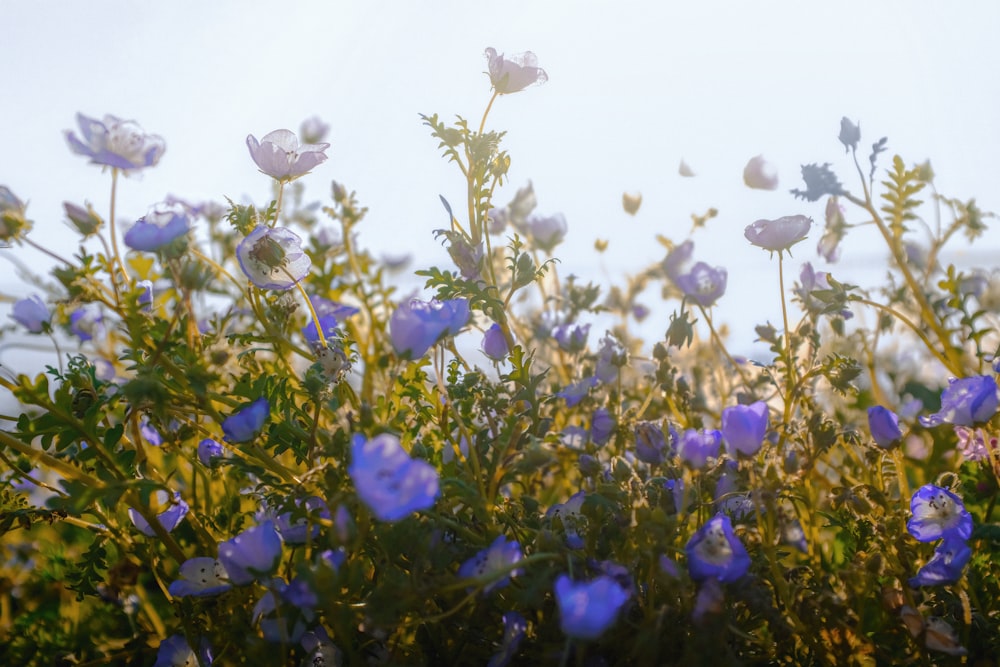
[
  {"x": 569, "y": 515},
  {"x": 86, "y": 322},
  {"x": 158, "y": 228},
  {"x": 513, "y": 74},
  {"x": 330, "y": 313},
  {"x": 729, "y": 499},
  {"x": 313, "y": 130},
  {"x": 945, "y": 567},
  {"x": 972, "y": 443},
  {"x": 32, "y": 314},
  {"x": 388, "y": 481},
  {"x": 200, "y": 577},
  {"x": 587, "y": 609},
  {"x": 942, "y": 637},
  {"x": 715, "y": 552},
  {"x": 272, "y": 258},
  {"x": 760, "y": 174},
  {"x": 495, "y": 343},
  {"x": 85, "y": 220},
  {"x": 744, "y": 426},
  {"x": 496, "y": 220},
  {"x": 149, "y": 432},
  {"x": 175, "y": 651},
  {"x": 514, "y": 628},
  {"x": 571, "y": 337},
  {"x": 253, "y": 553},
  {"x": 574, "y": 392},
  {"x": 676, "y": 489},
  {"x": 574, "y": 437},
  {"x": 938, "y": 513},
  {"x": 610, "y": 359},
  {"x": 780, "y": 234},
  {"x": 884, "y": 426},
  {"x": 696, "y": 447},
  {"x": 145, "y": 298},
  {"x": 247, "y": 422},
  {"x": 169, "y": 518},
  {"x": 703, "y": 284},
  {"x": 489, "y": 562},
  {"x": 113, "y": 142},
  {"x": 298, "y": 532},
  {"x": 677, "y": 261},
  {"x": 417, "y": 325},
  {"x": 547, "y": 232},
  {"x": 836, "y": 226},
  {"x": 279, "y": 155},
  {"x": 651, "y": 444},
  {"x": 850, "y": 134},
  {"x": 966, "y": 401},
  {"x": 602, "y": 425},
  {"x": 13, "y": 222},
  {"x": 208, "y": 451}
]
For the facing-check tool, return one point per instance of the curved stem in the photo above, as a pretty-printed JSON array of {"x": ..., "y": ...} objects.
[{"x": 112, "y": 225}]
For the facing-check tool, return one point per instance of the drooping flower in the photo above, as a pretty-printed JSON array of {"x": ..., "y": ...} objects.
[
  {"x": 938, "y": 513},
  {"x": 86, "y": 322},
  {"x": 945, "y": 567},
  {"x": 279, "y": 155},
  {"x": 313, "y": 130},
  {"x": 272, "y": 258},
  {"x": 514, "y": 629},
  {"x": 417, "y": 325},
  {"x": 175, "y": 651},
  {"x": 116, "y": 143},
  {"x": 158, "y": 228},
  {"x": 32, "y": 314},
  {"x": 850, "y": 134},
  {"x": 208, "y": 451},
  {"x": 966, "y": 401},
  {"x": 513, "y": 74},
  {"x": 696, "y": 447},
  {"x": 744, "y": 427},
  {"x": 496, "y": 558},
  {"x": 247, "y": 422},
  {"x": 388, "y": 481},
  {"x": 703, "y": 284},
  {"x": 588, "y": 608},
  {"x": 760, "y": 174},
  {"x": 715, "y": 552},
  {"x": 883, "y": 424},
  {"x": 571, "y": 337},
  {"x": 252, "y": 554},
  {"x": 602, "y": 425},
  {"x": 780, "y": 234},
  {"x": 547, "y": 232},
  {"x": 169, "y": 518},
  {"x": 495, "y": 343},
  {"x": 200, "y": 577}
]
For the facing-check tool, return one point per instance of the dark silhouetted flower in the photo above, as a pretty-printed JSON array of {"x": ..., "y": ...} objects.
[
  {"x": 588, "y": 608},
  {"x": 117, "y": 143},
  {"x": 169, "y": 518},
  {"x": 246, "y": 423},
  {"x": 850, "y": 134},
  {"x": 780, "y": 234},
  {"x": 744, "y": 427},
  {"x": 820, "y": 182},
  {"x": 252, "y": 554},
  {"x": 938, "y": 513},
  {"x": 715, "y": 552},
  {"x": 547, "y": 232},
  {"x": 489, "y": 562},
  {"x": 703, "y": 284},
  {"x": 945, "y": 567},
  {"x": 510, "y": 75},
  {"x": 279, "y": 155},
  {"x": 966, "y": 401},
  {"x": 32, "y": 314},
  {"x": 200, "y": 577},
  {"x": 417, "y": 325},
  {"x": 272, "y": 258},
  {"x": 158, "y": 228},
  {"x": 884, "y": 426},
  {"x": 760, "y": 174},
  {"x": 388, "y": 481}
]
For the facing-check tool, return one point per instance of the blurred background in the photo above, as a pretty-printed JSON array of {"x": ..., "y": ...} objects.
[{"x": 634, "y": 88}]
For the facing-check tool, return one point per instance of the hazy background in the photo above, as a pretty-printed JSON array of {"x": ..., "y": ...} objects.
[{"x": 634, "y": 87}]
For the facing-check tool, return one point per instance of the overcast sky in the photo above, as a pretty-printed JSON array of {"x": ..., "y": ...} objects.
[{"x": 634, "y": 88}]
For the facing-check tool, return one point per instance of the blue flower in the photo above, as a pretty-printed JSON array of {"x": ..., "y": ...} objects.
[
  {"x": 175, "y": 651},
  {"x": 149, "y": 432},
  {"x": 116, "y": 143},
  {"x": 696, "y": 447},
  {"x": 884, "y": 426},
  {"x": 574, "y": 393},
  {"x": 329, "y": 314},
  {"x": 715, "y": 552},
  {"x": 388, "y": 481},
  {"x": 945, "y": 567},
  {"x": 246, "y": 423},
  {"x": 489, "y": 562},
  {"x": 253, "y": 553},
  {"x": 86, "y": 322},
  {"x": 495, "y": 343},
  {"x": 417, "y": 325},
  {"x": 158, "y": 228},
  {"x": 610, "y": 359},
  {"x": 272, "y": 258},
  {"x": 938, "y": 513},
  {"x": 514, "y": 628},
  {"x": 602, "y": 425},
  {"x": 744, "y": 427},
  {"x": 571, "y": 337},
  {"x": 703, "y": 284},
  {"x": 145, "y": 298},
  {"x": 651, "y": 444},
  {"x": 587, "y": 609},
  {"x": 200, "y": 577},
  {"x": 32, "y": 314},
  {"x": 298, "y": 532},
  {"x": 966, "y": 401},
  {"x": 169, "y": 518},
  {"x": 709, "y": 601},
  {"x": 209, "y": 450},
  {"x": 677, "y": 262}
]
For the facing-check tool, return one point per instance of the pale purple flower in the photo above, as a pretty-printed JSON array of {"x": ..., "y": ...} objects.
[
  {"x": 279, "y": 155},
  {"x": 116, "y": 143},
  {"x": 678, "y": 260},
  {"x": 945, "y": 567},
  {"x": 491, "y": 561},
  {"x": 388, "y": 481},
  {"x": 272, "y": 258},
  {"x": 760, "y": 174},
  {"x": 200, "y": 577},
  {"x": 571, "y": 337},
  {"x": 569, "y": 515},
  {"x": 85, "y": 220},
  {"x": 696, "y": 447},
  {"x": 149, "y": 432},
  {"x": 330, "y": 313},
  {"x": 744, "y": 427},
  {"x": 602, "y": 425},
  {"x": 514, "y": 73},
  {"x": 253, "y": 553},
  {"x": 938, "y": 513},
  {"x": 208, "y": 451},
  {"x": 313, "y": 130},
  {"x": 247, "y": 422},
  {"x": 966, "y": 401},
  {"x": 972, "y": 443},
  {"x": 523, "y": 203},
  {"x": 703, "y": 284},
  {"x": 611, "y": 358},
  {"x": 574, "y": 437},
  {"x": 548, "y": 232},
  {"x": 158, "y": 228},
  {"x": 169, "y": 518},
  {"x": 587, "y": 609},
  {"x": 780, "y": 234},
  {"x": 145, "y": 298},
  {"x": 495, "y": 343},
  {"x": 32, "y": 314},
  {"x": 575, "y": 392},
  {"x": 87, "y": 322},
  {"x": 298, "y": 531},
  {"x": 417, "y": 325},
  {"x": 715, "y": 552}
]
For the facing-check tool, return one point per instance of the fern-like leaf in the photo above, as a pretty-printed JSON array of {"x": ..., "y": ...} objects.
[{"x": 901, "y": 187}]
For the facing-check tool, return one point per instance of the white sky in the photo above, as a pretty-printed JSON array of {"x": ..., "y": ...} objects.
[{"x": 633, "y": 88}]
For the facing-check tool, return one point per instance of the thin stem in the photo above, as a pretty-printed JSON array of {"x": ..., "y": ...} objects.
[
  {"x": 722, "y": 348},
  {"x": 482, "y": 123},
  {"x": 45, "y": 250},
  {"x": 112, "y": 225},
  {"x": 312, "y": 312},
  {"x": 277, "y": 207}
]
